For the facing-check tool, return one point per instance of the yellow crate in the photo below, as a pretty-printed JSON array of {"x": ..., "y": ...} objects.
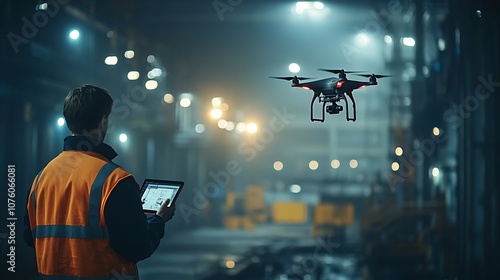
[
  {"x": 289, "y": 212},
  {"x": 349, "y": 214},
  {"x": 248, "y": 223},
  {"x": 230, "y": 200},
  {"x": 323, "y": 214},
  {"x": 331, "y": 214},
  {"x": 254, "y": 198},
  {"x": 260, "y": 217},
  {"x": 232, "y": 222}
]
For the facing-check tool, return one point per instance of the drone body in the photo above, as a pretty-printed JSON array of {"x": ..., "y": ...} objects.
[{"x": 332, "y": 90}]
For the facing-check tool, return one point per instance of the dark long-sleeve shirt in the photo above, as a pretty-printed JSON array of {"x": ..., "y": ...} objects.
[{"x": 132, "y": 234}]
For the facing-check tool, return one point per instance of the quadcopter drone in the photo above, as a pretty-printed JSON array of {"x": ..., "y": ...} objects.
[{"x": 330, "y": 91}]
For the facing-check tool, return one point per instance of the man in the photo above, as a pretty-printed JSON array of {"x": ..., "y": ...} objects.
[{"x": 84, "y": 214}]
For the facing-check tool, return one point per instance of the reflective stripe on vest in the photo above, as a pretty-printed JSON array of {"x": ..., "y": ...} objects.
[{"x": 92, "y": 230}]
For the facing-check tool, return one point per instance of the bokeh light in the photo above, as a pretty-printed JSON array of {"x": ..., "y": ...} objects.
[
  {"x": 313, "y": 165},
  {"x": 61, "y": 121},
  {"x": 335, "y": 163},
  {"x": 123, "y": 137},
  {"x": 185, "y": 102},
  {"x": 278, "y": 165},
  {"x": 395, "y": 166},
  {"x": 133, "y": 75},
  {"x": 74, "y": 34},
  {"x": 251, "y": 128},
  {"x": 168, "y": 98},
  {"x": 151, "y": 84},
  {"x": 295, "y": 188},
  {"x": 216, "y": 113},
  {"x": 294, "y": 68}
]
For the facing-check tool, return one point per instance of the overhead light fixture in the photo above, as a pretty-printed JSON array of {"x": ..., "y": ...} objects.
[
  {"x": 123, "y": 138},
  {"x": 362, "y": 39},
  {"x": 278, "y": 165},
  {"x": 216, "y": 101},
  {"x": 222, "y": 123},
  {"x": 129, "y": 54},
  {"x": 151, "y": 84},
  {"x": 199, "y": 128},
  {"x": 111, "y": 60},
  {"x": 313, "y": 165},
  {"x": 230, "y": 126},
  {"x": 155, "y": 72},
  {"x": 251, "y": 128},
  {"x": 61, "y": 121},
  {"x": 294, "y": 68},
  {"x": 151, "y": 58},
  {"x": 388, "y": 39},
  {"x": 185, "y": 102},
  {"x": 295, "y": 188},
  {"x": 168, "y": 98},
  {"x": 408, "y": 41},
  {"x": 395, "y": 166},
  {"x": 435, "y": 172},
  {"x": 41, "y": 7},
  {"x": 302, "y": 6},
  {"x": 216, "y": 113},
  {"x": 133, "y": 75},
  {"x": 436, "y": 131},
  {"x": 241, "y": 127},
  {"x": 74, "y": 34}
]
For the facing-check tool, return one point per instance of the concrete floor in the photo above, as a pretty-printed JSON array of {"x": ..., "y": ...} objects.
[{"x": 274, "y": 250}]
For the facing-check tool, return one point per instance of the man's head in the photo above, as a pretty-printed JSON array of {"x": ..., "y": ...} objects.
[{"x": 86, "y": 110}]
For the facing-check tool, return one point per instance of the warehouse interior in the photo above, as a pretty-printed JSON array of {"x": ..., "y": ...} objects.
[{"x": 408, "y": 191}]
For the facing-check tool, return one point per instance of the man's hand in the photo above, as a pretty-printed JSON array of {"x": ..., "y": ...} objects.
[{"x": 166, "y": 213}]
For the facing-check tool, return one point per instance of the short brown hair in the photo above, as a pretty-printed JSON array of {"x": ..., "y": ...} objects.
[{"x": 85, "y": 106}]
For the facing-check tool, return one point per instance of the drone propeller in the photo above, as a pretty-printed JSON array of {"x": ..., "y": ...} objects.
[
  {"x": 291, "y": 78},
  {"x": 339, "y": 71},
  {"x": 374, "y": 76}
]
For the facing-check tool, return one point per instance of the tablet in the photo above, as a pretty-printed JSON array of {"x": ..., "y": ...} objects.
[{"x": 155, "y": 192}]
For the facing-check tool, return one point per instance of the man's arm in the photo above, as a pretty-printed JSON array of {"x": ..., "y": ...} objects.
[{"x": 132, "y": 235}]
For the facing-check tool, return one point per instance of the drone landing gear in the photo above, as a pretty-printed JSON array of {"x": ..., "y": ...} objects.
[
  {"x": 333, "y": 108},
  {"x": 353, "y": 119},
  {"x": 313, "y": 119}
]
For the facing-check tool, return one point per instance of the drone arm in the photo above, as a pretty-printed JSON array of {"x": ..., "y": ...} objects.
[
  {"x": 316, "y": 94},
  {"x": 353, "y": 107}
]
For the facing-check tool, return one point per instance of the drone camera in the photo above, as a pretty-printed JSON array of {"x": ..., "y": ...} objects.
[{"x": 334, "y": 109}]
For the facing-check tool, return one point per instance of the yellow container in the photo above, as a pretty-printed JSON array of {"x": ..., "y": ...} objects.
[
  {"x": 248, "y": 223},
  {"x": 289, "y": 212},
  {"x": 232, "y": 222}
]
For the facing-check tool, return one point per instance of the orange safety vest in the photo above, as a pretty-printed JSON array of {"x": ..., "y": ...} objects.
[{"x": 66, "y": 213}]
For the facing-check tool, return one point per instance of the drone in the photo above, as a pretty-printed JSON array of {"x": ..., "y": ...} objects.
[{"x": 331, "y": 91}]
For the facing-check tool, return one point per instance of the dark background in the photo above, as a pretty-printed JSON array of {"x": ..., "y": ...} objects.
[{"x": 448, "y": 80}]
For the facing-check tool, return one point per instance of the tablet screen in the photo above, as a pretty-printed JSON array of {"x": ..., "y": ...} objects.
[{"x": 155, "y": 192}]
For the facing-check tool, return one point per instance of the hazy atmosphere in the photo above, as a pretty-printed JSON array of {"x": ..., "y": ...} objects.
[{"x": 315, "y": 140}]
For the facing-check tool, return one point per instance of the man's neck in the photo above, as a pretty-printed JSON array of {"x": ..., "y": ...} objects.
[{"x": 95, "y": 140}]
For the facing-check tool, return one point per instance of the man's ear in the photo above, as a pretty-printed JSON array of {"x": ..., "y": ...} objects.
[{"x": 104, "y": 122}]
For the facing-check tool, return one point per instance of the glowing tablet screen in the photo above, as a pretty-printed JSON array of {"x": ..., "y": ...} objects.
[{"x": 155, "y": 192}]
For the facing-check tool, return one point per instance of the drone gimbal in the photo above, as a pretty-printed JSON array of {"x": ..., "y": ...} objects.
[{"x": 333, "y": 108}]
